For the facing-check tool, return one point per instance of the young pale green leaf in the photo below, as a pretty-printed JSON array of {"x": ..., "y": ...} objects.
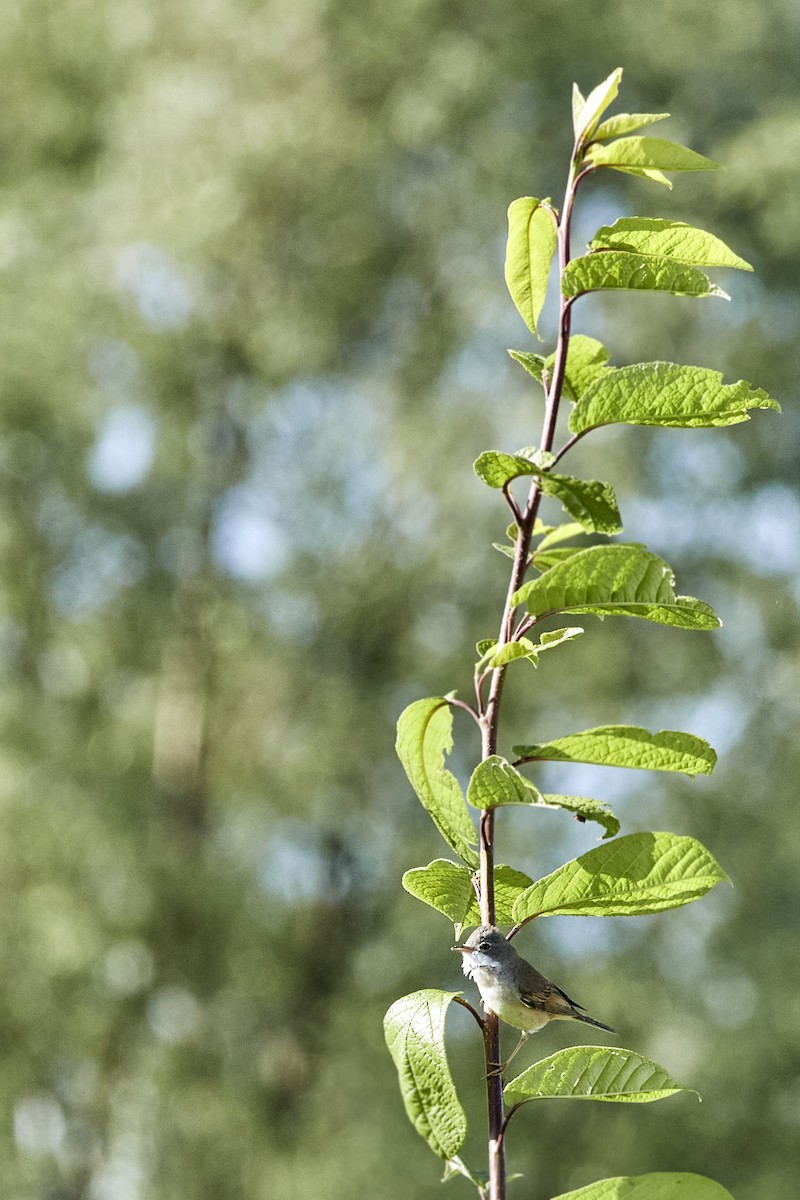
[
  {"x": 644, "y": 173},
  {"x": 559, "y": 533},
  {"x": 595, "y": 105},
  {"x": 593, "y": 1073},
  {"x": 631, "y": 876},
  {"x": 618, "y": 270},
  {"x": 533, "y": 363},
  {"x": 658, "y": 1186},
  {"x": 616, "y": 580},
  {"x": 529, "y": 252},
  {"x": 511, "y": 651},
  {"x": 668, "y": 239},
  {"x": 557, "y": 637},
  {"x": 625, "y": 123},
  {"x": 628, "y": 746},
  {"x": 649, "y": 154},
  {"x": 544, "y": 559},
  {"x": 587, "y": 360},
  {"x": 424, "y": 736},
  {"x": 447, "y": 887},
  {"x": 494, "y": 781},
  {"x": 578, "y": 102},
  {"x": 588, "y": 501},
  {"x": 496, "y": 468},
  {"x": 414, "y": 1031},
  {"x": 507, "y": 550},
  {"x": 585, "y": 810},
  {"x": 668, "y": 395}
]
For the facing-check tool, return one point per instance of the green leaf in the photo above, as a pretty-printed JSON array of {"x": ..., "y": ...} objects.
[
  {"x": 447, "y": 887},
  {"x": 593, "y": 1073},
  {"x": 631, "y": 876},
  {"x": 644, "y": 173},
  {"x": 424, "y": 736},
  {"x": 615, "y": 580},
  {"x": 561, "y": 533},
  {"x": 533, "y": 363},
  {"x": 496, "y": 469},
  {"x": 585, "y": 810},
  {"x": 650, "y": 154},
  {"x": 414, "y": 1031},
  {"x": 511, "y": 651},
  {"x": 557, "y": 637},
  {"x": 618, "y": 270},
  {"x": 589, "y": 501},
  {"x": 658, "y": 1186},
  {"x": 628, "y": 746},
  {"x": 587, "y": 360},
  {"x": 543, "y": 560},
  {"x": 626, "y": 123},
  {"x": 669, "y": 239},
  {"x": 668, "y": 395},
  {"x": 578, "y": 103},
  {"x": 494, "y": 781},
  {"x": 529, "y": 252},
  {"x": 504, "y": 549},
  {"x": 595, "y": 105}
]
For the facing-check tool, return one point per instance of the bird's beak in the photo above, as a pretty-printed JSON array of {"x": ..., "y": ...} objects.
[{"x": 462, "y": 949}]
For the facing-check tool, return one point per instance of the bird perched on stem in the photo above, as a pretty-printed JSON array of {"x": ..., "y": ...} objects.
[{"x": 513, "y": 989}]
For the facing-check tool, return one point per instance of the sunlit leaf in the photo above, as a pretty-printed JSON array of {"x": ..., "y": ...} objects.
[
  {"x": 628, "y": 746},
  {"x": 668, "y": 239},
  {"x": 585, "y": 809},
  {"x": 494, "y": 781},
  {"x": 596, "y": 104},
  {"x": 533, "y": 363},
  {"x": 559, "y": 533},
  {"x": 666, "y": 394},
  {"x": 447, "y": 887},
  {"x": 633, "y": 875},
  {"x": 496, "y": 468},
  {"x": 587, "y": 360},
  {"x": 644, "y": 173},
  {"x": 590, "y": 502},
  {"x": 658, "y": 1186},
  {"x": 529, "y": 252},
  {"x": 618, "y": 270},
  {"x": 593, "y": 1073},
  {"x": 414, "y": 1031},
  {"x": 424, "y": 736},
  {"x": 511, "y": 651},
  {"x": 646, "y": 153},
  {"x": 625, "y": 123},
  {"x": 616, "y": 580}
]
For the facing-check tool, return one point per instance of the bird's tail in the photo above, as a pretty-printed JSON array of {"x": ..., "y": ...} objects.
[{"x": 577, "y": 1016}]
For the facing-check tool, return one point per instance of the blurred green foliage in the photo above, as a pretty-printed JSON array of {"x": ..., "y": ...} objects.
[{"x": 252, "y": 334}]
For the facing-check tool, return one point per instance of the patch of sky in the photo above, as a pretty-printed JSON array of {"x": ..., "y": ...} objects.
[
  {"x": 317, "y": 467},
  {"x": 99, "y": 565},
  {"x": 152, "y": 277},
  {"x": 760, "y": 529},
  {"x": 124, "y": 448},
  {"x": 295, "y": 866},
  {"x": 245, "y": 540}
]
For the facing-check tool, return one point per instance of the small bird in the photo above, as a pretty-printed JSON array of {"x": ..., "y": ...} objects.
[{"x": 513, "y": 989}]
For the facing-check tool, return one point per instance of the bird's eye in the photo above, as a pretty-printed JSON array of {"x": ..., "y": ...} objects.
[{"x": 485, "y": 946}]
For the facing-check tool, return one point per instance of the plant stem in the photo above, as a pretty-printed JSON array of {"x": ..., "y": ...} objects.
[{"x": 490, "y": 716}]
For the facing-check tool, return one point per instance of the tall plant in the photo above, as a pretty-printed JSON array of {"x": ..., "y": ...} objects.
[{"x": 630, "y": 875}]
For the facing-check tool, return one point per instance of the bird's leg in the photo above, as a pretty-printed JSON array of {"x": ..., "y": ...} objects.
[{"x": 523, "y": 1037}]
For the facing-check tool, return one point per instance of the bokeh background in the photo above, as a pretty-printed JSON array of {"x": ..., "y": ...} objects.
[{"x": 252, "y": 335}]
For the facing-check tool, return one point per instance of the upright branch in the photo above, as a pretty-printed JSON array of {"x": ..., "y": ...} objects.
[{"x": 634, "y": 874}]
